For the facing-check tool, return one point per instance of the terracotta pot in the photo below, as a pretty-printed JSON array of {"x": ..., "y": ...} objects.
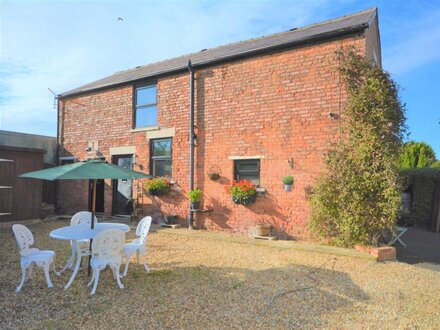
[{"x": 263, "y": 229}]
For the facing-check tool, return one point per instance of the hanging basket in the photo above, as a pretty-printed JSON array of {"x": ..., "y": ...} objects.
[
  {"x": 244, "y": 200},
  {"x": 155, "y": 192}
]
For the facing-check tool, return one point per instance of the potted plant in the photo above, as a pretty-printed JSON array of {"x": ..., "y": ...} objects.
[
  {"x": 263, "y": 229},
  {"x": 288, "y": 183},
  {"x": 242, "y": 192},
  {"x": 157, "y": 186},
  {"x": 194, "y": 198},
  {"x": 214, "y": 176}
]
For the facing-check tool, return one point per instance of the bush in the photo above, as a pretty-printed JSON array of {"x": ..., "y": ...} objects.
[
  {"x": 436, "y": 164},
  {"x": 195, "y": 195},
  {"x": 288, "y": 180},
  {"x": 157, "y": 186},
  {"x": 421, "y": 185},
  {"x": 359, "y": 196},
  {"x": 416, "y": 155}
]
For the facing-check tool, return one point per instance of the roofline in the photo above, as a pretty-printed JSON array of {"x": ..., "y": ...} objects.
[
  {"x": 21, "y": 134},
  {"x": 25, "y": 149},
  {"x": 246, "y": 54}
]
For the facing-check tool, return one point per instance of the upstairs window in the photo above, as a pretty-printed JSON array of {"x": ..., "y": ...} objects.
[
  {"x": 145, "y": 106},
  {"x": 248, "y": 169},
  {"x": 160, "y": 157}
]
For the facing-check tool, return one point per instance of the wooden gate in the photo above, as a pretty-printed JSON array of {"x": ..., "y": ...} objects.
[
  {"x": 7, "y": 169},
  {"x": 20, "y": 199}
]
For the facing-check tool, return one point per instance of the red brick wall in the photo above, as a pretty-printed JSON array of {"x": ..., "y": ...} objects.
[{"x": 275, "y": 106}]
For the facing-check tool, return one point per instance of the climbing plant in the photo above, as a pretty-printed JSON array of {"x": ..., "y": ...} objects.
[{"x": 359, "y": 195}]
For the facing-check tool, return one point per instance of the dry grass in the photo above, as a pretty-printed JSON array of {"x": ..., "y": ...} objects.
[{"x": 200, "y": 283}]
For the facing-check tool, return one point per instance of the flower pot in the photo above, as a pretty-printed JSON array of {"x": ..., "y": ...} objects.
[
  {"x": 244, "y": 200},
  {"x": 288, "y": 187},
  {"x": 195, "y": 205},
  {"x": 263, "y": 229},
  {"x": 170, "y": 219}
]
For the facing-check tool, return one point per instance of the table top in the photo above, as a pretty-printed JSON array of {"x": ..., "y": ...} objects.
[{"x": 83, "y": 231}]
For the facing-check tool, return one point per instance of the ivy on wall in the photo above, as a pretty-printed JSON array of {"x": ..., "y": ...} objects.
[{"x": 360, "y": 194}]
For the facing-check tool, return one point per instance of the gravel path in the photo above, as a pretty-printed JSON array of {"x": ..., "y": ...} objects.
[{"x": 200, "y": 283}]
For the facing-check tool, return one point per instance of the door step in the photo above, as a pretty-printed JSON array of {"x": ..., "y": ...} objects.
[
  {"x": 267, "y": 238},
  {"x": 170, "y": 226}
]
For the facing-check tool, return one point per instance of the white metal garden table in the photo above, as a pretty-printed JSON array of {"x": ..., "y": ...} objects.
[{"x": 79, "y": 233}]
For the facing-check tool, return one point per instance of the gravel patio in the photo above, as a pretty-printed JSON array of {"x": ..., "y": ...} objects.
[{"x": 206, "y": 283}]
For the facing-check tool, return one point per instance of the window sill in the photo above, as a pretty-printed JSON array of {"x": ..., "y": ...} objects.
[{"x": 144, "y": 129}]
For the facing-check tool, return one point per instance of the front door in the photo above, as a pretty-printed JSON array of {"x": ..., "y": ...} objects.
[
  {"x": 122, "y": 189},
  {"x": 99, "y": 203}
]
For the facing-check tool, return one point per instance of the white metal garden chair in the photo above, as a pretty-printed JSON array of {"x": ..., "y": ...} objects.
[
  {"x": 398, "y": 232},
  {"x": 30, "y": 256},
  {"x": 107, "y": 249},
  {"x": 138, "y": 246},
  {"x": 79, "y": 218}
]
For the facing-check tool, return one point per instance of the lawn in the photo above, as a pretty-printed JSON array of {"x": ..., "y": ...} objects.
[{"x": 206, "y": 283}]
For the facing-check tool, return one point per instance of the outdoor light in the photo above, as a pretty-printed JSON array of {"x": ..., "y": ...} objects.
[{"x": 333, "y": 115}]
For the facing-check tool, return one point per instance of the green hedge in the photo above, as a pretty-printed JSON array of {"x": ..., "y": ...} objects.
[{"x": 421, "y": 184}]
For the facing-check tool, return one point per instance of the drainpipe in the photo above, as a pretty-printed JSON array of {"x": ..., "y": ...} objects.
[{"x": 191, "y": 140}]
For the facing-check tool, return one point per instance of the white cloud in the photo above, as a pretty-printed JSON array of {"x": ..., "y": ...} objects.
[
  {"x": 63, "y": 45},
  {"x": 416, "y": 44}
]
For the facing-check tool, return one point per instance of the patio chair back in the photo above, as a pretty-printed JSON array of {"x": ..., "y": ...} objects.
[
  {"x": 143, "y": 228},
  {"x": 24, "y": 239},
  {"x": 108, "y": 245},
  {"x": 82, "y": 217}
]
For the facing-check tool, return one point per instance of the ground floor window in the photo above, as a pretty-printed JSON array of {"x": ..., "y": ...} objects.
[
  {"x": 248, "y": 169},
  {"x": 160, "y": 157}
]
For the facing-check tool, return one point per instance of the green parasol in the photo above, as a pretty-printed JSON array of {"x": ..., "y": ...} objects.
[{"x": 87, "y": 170}]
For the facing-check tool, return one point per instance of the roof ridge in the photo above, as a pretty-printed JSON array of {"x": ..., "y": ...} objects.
[
  {"x": 336, "y": 26},
  {"x": 276, "y": 34},
  {"x": 256, "y": 38}
]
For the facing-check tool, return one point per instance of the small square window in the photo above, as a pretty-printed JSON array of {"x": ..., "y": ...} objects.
[
  {"x": 145, "y": 106},
  {"x": 248, "y": 169}
]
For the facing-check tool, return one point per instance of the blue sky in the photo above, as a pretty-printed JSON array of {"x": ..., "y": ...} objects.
[{"x": 64, "y": 44}]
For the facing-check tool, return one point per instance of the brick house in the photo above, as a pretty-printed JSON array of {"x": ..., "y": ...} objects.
[{"x": 264, "y": 108}]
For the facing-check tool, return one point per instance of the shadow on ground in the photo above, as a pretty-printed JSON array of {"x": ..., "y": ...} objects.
[
  {"x": 174, "y": 295},
  {"x": 423, "y": 248}
]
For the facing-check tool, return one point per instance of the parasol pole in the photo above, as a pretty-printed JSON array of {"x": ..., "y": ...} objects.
[
  {"x": 93, "y": 204},
  {"x": 92, "y": 223}
]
